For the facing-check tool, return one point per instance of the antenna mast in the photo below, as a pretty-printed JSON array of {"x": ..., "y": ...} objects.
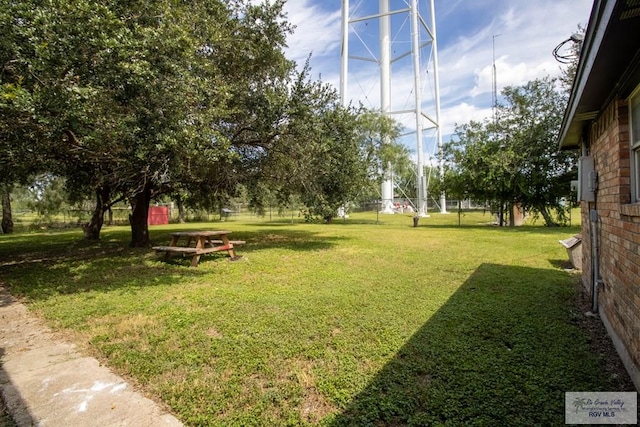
[{"x": 494, "y": 81}]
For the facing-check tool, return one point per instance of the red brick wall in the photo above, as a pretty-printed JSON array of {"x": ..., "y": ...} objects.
[{"x": 618, "y": 228}]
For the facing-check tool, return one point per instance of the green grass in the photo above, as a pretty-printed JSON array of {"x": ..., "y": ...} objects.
[{"x": 364, "y": 322}]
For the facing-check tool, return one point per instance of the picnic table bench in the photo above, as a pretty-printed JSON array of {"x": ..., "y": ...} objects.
[{"x": 203, "y": 243}]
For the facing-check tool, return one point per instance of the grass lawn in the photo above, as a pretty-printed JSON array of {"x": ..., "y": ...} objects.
[{"x": 364, "y": 322}]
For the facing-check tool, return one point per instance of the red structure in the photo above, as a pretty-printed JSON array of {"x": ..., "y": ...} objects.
[{"x": 158, "y": 215}]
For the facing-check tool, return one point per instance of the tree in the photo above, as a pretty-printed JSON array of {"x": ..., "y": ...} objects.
[
  {"x": 475, "y": 163},
  {"x": 378, "y": 135},
  {"x": 19, "y": 158},
  {"x": 316, "y": 148},
  {"x": 542, "y": 174},
  {"x": 570, "y": 56},
  {"x": 405, "y": 176},
  {"x": 336, "y": 167},
  {"x": 514, "y": 159},
  {"x": 137, "y": 101},
  {"x": 454, "y": 184},
  {"x": 355, "y": 149},
  {"x": 6, "y": 226},
  {"x": 153, "y": 98},
  {"x": 53, "y": 83}
]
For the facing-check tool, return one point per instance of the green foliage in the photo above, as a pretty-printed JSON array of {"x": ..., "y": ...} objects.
[
  {"x": 515, "y": 159},
  {"x": 569, "y": 72},
  {"x": 337, "y": 168},
  {"x": 405, "y": 177},
  {"x": 321, "y": 151},
  {"x": 48, "y": 197},
  {"x": 131, "y": 100}
]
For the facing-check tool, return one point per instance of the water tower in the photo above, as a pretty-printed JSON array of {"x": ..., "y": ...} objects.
[{"x": 391, "y": 56}]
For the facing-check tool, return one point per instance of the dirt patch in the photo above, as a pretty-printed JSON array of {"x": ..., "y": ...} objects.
[
  {"x": 314, "y": 406},
  {"x": 214, "y": 333}
]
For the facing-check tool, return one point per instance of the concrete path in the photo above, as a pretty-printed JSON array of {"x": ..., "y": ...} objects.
[{"x": 47, "y": 382}]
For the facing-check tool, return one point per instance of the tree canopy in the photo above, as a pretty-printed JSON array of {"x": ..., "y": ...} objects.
[
  {"x": 514, "y": 160},
  {"x": 129, "y": 100}
]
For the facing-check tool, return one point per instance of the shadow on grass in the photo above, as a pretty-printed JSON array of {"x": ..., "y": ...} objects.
[
  {"x": 41, "y": 265},
  {"x": 503, "y": 350},
  {"x": 270, "y": 237},
  {"x": 563, "y": 264}
]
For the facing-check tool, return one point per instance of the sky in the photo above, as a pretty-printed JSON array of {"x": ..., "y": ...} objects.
[{"x": 519, "y": 35}]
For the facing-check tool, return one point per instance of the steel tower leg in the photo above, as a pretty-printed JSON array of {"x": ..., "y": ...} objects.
[
  {"x": 436, "y": 80},
  {"x": 384, "y": 60},
  {"x": 385, "y": 95},
  {"x": 344, "y": 53}
]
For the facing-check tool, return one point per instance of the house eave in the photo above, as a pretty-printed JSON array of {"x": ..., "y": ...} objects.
[{"x": 611, "y": 44}]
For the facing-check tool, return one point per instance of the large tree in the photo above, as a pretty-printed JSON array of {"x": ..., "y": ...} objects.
[
  {"x": 136, "y": 98},
  {"x": 513, "y": 160},
  {"x": 319, "y": 150},
  {"x": 20, "y": 157}
]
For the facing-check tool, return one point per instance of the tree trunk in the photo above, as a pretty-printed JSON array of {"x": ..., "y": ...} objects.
[
  {"x": 92, "y": 229},
  {"x": 138, "y": 219},
  {"x": 512, "y": 217},
  {"x": 548, "y": 220},
  {"x": 181, "y": 214},
  {"x": 7, "y": 216}
]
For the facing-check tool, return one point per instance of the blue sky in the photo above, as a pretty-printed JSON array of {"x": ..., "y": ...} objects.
[{"x": 528, "y": 31}]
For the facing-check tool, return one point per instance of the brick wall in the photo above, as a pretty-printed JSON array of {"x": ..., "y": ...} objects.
[{"x": 618, "y": 232}]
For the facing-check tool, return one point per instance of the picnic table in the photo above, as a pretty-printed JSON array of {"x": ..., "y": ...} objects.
[{"x": 199, "y": 243}]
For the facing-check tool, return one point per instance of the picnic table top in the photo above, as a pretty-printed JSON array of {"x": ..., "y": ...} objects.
[{"x": 200, "y": 233}]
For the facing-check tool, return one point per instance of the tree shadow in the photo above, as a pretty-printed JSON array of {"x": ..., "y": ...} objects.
[
  {"x": 41, "y": 265},
  {"x": 503, "y": 350},
  {"x": 271, "y": 237}
]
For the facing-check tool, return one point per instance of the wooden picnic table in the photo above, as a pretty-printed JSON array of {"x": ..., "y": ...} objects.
[{"x": 199, "y": 243}]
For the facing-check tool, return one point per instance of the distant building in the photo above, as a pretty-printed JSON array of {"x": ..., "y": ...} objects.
[{"x": 603, "y": 121}]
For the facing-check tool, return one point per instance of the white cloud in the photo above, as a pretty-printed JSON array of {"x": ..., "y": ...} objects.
[
  {"x": 509, "y": 74},
  {"x": 462, "y": 113},
  {"x": 528, "y": 31},
  {"x": 317, "y": 30}
]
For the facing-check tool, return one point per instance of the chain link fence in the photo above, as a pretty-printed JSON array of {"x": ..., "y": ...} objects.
[{"x": 230, "y": 212}]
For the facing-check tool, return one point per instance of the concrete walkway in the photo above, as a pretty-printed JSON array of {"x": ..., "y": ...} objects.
[{"x": 47, "y": 382}]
